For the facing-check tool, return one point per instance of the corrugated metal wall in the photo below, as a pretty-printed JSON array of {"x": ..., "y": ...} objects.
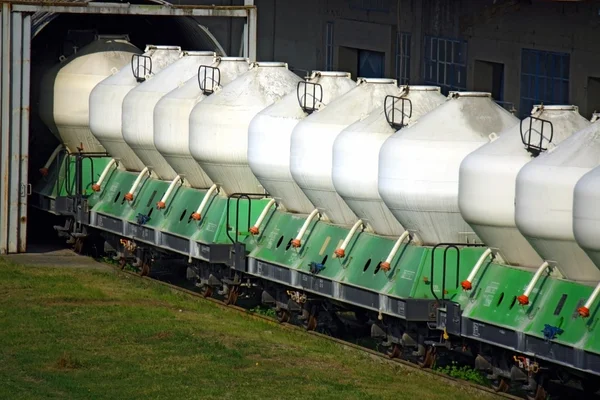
[{"x": 15, "y": 35}]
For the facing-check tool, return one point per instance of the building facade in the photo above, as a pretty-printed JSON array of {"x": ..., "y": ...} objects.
[{"x": 523, "y": 52}]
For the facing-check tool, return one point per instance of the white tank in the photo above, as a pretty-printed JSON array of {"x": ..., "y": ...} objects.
[
  {"x": 270, "y": 134},
  {"x": 138, "y": 109},
  {"x": 64, "y": 95},
  {"x": 544, "y": 203},
  {"x": 418, "y": 166},
  {"x": 219, "y": 124},
  {"x": 356, "y": 154},
  {"x": 311, "y": 149},
  {"x": 106, "y": 101},
  {"x": 172, "y": 115},
  {"x": 486, "y": 194},
  {"x": 586, "y": 213}
]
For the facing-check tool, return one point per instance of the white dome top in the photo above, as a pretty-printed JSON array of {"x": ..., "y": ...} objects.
[
  {"x": 270, "y": 134},
  {"x": 66, "y": 87},
  {"x": 544, "y": 202},
  {"x": 356, "y": 154},
  {"x": 106, "y": 101},
  {"x": 172, "y": 116},
  {"x": 586, "y": 213},
  {"x": 311, "y": 151},
  {"x": 418, "y": 166},
  {"x": 488, "y": 177},
  {"x": 138, "y": 109},
  {"x": 219, "y": 124}
]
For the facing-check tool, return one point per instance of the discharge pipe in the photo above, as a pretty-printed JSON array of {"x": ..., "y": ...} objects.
[
  {"x": 163, "y": 202},
  {"x": 585, "y": 310},
  {"x": 468, "y": 283},
  {"x": 255, "y": 230},
  {"x": 129, "y": 195},
  {"x": 296, "y": 243},
  {"x": 341, "y": 252},
  {"x": 44, "y": 169},
  {"x": 98, "y": 185},
  {"x": 387, "y": 264},
  {"x": 196, "y": 216},
  {"x": 524, "y": 298}
]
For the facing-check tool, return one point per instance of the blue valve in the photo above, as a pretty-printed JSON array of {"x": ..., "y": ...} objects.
[
  {"x": 142, "y": 219},
  {"x": 550, "y": 332},
  {"x": 315, "y": 267}
]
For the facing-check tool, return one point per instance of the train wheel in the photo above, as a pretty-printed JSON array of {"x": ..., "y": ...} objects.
[
  {"x": 232, "y": 296},
  {"x": 206, "y": 291},
  {"x": 145, "y": 271},
  {"x": 395, "y": 352},
  {"x": 502, "y": 387},
  {"x": 283, "y": 315}
]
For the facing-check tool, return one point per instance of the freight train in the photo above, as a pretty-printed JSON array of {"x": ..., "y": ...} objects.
[{"x": 444, "y": 224}]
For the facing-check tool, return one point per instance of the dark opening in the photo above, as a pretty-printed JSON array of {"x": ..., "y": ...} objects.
[{"x": 489, "y": 77}]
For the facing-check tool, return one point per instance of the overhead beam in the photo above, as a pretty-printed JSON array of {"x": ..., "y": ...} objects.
[{"x": 134, "y": 9}]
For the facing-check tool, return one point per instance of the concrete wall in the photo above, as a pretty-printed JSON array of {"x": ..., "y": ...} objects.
[{"x": 294, "y": 32}]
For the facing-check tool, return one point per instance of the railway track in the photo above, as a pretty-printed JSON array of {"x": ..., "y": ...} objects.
[{"x": 382, "y": 357}]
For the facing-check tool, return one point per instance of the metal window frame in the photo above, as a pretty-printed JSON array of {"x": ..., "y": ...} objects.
[
  {"x": 403, "y": 43},
  {"x": 433, "y": 61},
  {"x": 15, "y": 50},
  {"x": 535, "y": 76}
]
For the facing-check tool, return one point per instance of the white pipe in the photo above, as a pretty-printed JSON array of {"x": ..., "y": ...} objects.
[
  {"x": 468, "y": 283},
  {"x": 97, "y": 186},
  {"x": 298, "y": 241},
  {"x": 386, "y": 265},
  {"x": 44, "y": 169},
  {"x": 163, "y": 202},
  {"x": 256, "y": 228},
  {"x": 524, "y": 298},
  {"x": 129, "y": 195},
  {"x": 198, "y": 214},
  {"x": 341, "y": 252},
  {"x": 585, "y": 310}
]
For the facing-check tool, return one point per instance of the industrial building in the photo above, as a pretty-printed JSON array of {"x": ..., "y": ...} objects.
[{"x": 524, "y": 52}]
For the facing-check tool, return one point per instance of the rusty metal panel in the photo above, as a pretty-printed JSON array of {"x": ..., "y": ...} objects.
[
  {"x": 14, "y": 128},
  {"x": 25, "y": 111},
  {"x": 5, "y": 116},
  {"x": 15, "y": 135}
]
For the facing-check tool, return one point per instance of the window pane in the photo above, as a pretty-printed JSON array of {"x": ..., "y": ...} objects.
[{"x": 565, "y": 67}]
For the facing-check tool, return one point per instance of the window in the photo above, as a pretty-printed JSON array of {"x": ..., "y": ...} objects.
[
  {"x": 544, "y": 79},
  {"x": 403, "y": 58},
  {"x": 329, "y": 46},
  {"x": 445, "y": 63}
]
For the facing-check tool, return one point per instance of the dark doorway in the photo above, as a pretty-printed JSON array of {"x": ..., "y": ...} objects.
[{"x": 489, "y": 77}]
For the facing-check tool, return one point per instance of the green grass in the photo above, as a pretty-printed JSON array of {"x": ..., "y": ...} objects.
[{"x": 74, "y": 334}]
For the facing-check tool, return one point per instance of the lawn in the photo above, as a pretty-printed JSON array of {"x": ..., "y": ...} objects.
[{"x": 74, "y": 333}]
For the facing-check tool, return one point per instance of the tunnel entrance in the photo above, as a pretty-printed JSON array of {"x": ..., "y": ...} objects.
[{"x": 35, "y": 36}]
